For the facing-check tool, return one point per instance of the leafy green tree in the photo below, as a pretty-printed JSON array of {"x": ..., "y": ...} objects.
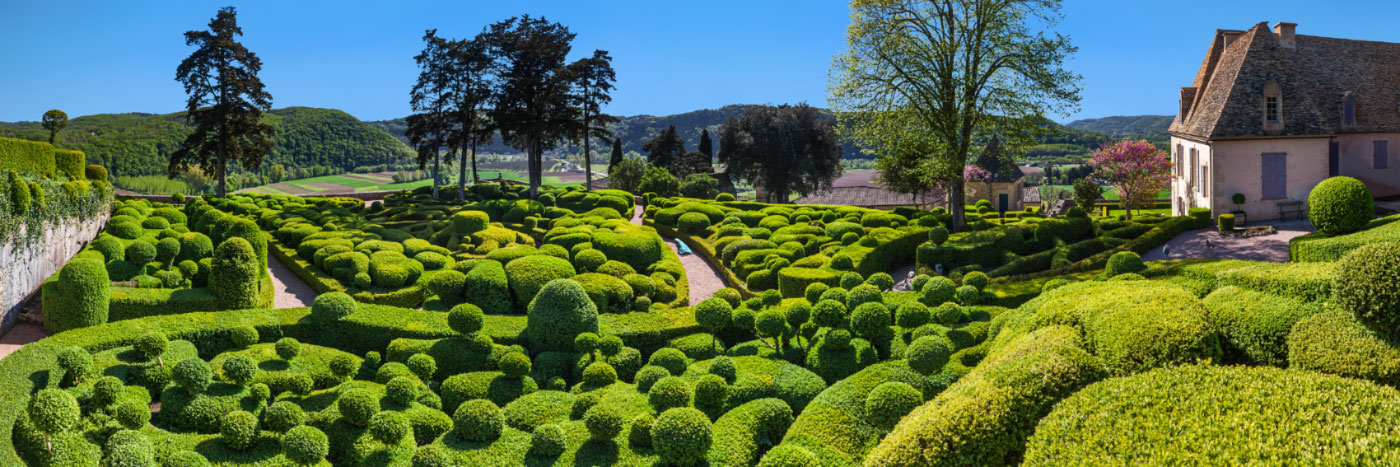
[
  {"x": 955, "y": 70},
  {"x": 783, "y": 149},
  {"x": 1086, "y": 193},
  {"x": 667, "y": 150},
  {"x": 627, "y": 174},
  {"x": 469, "y": 86},
  {"x": 532, "y": 108},
  {"x": 592, "y": 81},
  {"x": 430, "y": 126},
  {"x": 54, "y": 121},
  {"x": 226, "y": 102}
]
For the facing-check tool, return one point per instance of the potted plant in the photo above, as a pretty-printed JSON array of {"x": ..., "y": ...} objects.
[{"x": 1239, "y": 216}]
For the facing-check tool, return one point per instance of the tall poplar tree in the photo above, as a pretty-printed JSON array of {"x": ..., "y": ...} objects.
[
  {"x": 226, "y": 102},
  {"x": 592, "y": 81},
  {"x": 957, "y": 69},
  {"x": 707, "y": 147},
  {"x": 616, "y": 155}
]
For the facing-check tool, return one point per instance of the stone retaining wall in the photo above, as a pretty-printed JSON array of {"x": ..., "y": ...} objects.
[{"x": 28, "y": 263}]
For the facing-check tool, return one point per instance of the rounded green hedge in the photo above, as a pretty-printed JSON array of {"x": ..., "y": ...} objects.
[
  {"x": 305, "y": 444},
  {"x": 693, "y": 223},
  {"x": 548, "y": 440},
  {"x": 669, "y": 392},
  {"x": 1368, "y": 284},
  {"x": 795, "y": 282},
  {"x": 238, "y": 430},
  {"x": 1202, "y": 414},
  {"x": 891, "y": 401},
  {"x": 478, "y": 420},
  {"x": 1340, "y": 205},
  {"x": 234, "y": 278},
  {"x": 333, "y": 306},
  {"x": 357, "y": 406},
  {"x": 682, "y": 436},
  {"x": 559, "y": 312},
  {"x": 529, "y": 274},
  {"x": 82, "y": 298}
]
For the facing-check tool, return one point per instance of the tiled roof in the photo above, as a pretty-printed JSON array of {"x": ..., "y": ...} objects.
[
  {"x": 1314, "y": 77},
  {"x": 865, "y": 196}
]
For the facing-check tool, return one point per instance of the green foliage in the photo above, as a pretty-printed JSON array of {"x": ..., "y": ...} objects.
[
  {"x": 560, "y": 312},
  {"x": 528, "y": 275},
  {"x": 193, "y": 375},
  {"x": 357, "y": 406},
  {"x": 890, "y": 402},
  {"x": 53, "y": 411},
  {"x": 82, "y": 297},
  {"x": 548, "y": 440},
  {"x": 1124, "y": 262},
  {"x": 240, "y": 369},
  {"x": 1368, "y": 284},
  {"x": 238, "y": 430},
  {"x": 305, "y": 444},
  {"x": 283, "y": 416},
  {"x": 1340, "y": 205},
  {"x": 466, "y": 319},
  {"x": 333, "y": 306},
  {"x": 1172, "y": 417},
  {"x": 478, "y": 420},
  {"x": 235, "y": 274},
  {"x": 604, "y": 422},
  {"x": 1317, "y": 246},
  {"x": 660, "y": 181},
  {"x": 669, "y": 392},
  {"x": 682, "y": 436},
  {"x": 928, "y": 354},
  {"x": 1255, "y": 325}
]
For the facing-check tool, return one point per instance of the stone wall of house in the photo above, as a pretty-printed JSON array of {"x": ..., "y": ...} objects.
[{"x": 27, "y": 263}]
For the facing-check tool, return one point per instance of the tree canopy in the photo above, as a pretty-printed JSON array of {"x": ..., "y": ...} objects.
[
  {"x": 666, "y": 150},
  {"x": 226, "y": 102},
  {"x": 592, "y": 82},
  {"x": 55, "y": 121},
  {"x": 532, "y": 108},
  {"x": 782, "y": 149}
]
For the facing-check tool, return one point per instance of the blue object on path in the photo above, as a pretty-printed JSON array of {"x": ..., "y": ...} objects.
[{"x": 681, "y": 247}]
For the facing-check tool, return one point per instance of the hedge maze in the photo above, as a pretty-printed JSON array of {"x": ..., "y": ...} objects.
[{"x": 499, "y": 331}]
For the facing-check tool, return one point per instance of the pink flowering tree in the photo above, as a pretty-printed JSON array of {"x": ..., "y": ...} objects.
[{"x": 1137, "y": 170}]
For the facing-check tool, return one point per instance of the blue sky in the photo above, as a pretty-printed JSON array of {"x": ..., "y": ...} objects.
[{"x": 670, "y": 57}]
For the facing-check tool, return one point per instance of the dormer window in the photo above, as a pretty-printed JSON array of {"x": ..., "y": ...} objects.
[
  {"x": 1273, "y": 107},
  {"x": 1348, "y": 110}
]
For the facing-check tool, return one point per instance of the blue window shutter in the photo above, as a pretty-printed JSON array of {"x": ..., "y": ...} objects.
[
  {"x": 1274, "y": 171},
  {"x": 1380, "y": 154}
]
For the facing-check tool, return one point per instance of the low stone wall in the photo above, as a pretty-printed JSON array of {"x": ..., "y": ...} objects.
[{"x": 28, "y": 263}]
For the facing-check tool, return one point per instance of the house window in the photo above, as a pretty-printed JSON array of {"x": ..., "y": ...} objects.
[
  {"x": 1176, "y": 161},
  {"x": 1380, "y": 154},
  {"x": 1349, "y": 111},
  {"x": 1193, "y": 166},
  {"x": 1205, "y": 181},
  {"x": 1271, "y": 108}
]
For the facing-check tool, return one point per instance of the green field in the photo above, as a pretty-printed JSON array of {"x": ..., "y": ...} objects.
[
  {"x": 361, "y": 182},
  {"x": 1108, "y": 194}
]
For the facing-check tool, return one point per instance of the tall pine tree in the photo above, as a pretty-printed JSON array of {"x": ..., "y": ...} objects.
[
  {"x": 706, "y": 146},
  {"x": 430, "y": 126},
  {"x": 532, "y": 108},
  {"x": 226, "y": 102},
  {"x": 667, "y": 150},
  {"x": 592, "y": 80}
]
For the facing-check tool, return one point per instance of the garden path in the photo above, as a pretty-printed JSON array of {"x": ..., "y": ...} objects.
[
  {"x": 292, "y": 292},
  {"x": 1274, "y": 248},
  {"x": 703, "y": 277},
  {"x": 19, "y": 336}
]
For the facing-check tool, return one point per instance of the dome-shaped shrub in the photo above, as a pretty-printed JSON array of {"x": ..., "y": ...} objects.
[
  {"x": 238, "y": 430},
  {"x": 560, "y": 312},
  {"x": 466, "y": 319},
  {"x": 389, "y": 427},
  {"x": 711, "y": 391},
  {"x": 599, "y": 374},
  {"x": 949, "y": 313},
  {"x": 929, "y": 353},
  {"x": 1123, "y": 262},
  {"x": 589, "y": 260},
  {"x": 648, "y": 376},
  {"x": 1368, "y": 284},
  {"x": 640, "y": 431},
  {"x": 693, "y": 223},
  {"x": 478, "y": 420},
  {"x": 814, "y": 291},
  {"x": 357, "y": 406},
  {"x": 333, "y": 306},
  {"x": 240, "y": 369},
  {"x": 282, "y": 416},
  {"x": 729, "y": 295},
  {"x": 141, "y": 252},
  {"x": 53, "y": 411},
  {"x": 516, "y": 365},
  {"x": 132, "y": 414},
  {"x": 548, "y": 440},
  {"x": 890, "y": 401},
  {"x": 287, "y": 348},
  {"x": 467, "y": 222},
  {"x": 192, "y": 375},
  {"x": 423, "y": 366},
  {"x": 937, "y": 235},
  {"x": 151, "y": 345},
  {"x": 912, "y": 314},
  {"x": 967, "y": 295},
  {"x": 243, "y": 336},
  {"x": 682, "y": 436},
  {"x": 195, "y": 246},
  {"x": 723, "y": 367},
  {"x": 1340, "y": 205},
  {"x": 976, "y": 279},
  {"x": 669, "y": 392},
  {"x": 527, "y": 276},
  {"x": 604, "y": 422},
  {"x": 829, "y": 313},
  {"x": 582, "y": 403},
  {"x": 306, "y": 445},
  {"x": 401, "y": 390},
  {"x": 167, "y": 249},
  {"x": 937, "y": 290},
  {"x": 82, "y": 296}
]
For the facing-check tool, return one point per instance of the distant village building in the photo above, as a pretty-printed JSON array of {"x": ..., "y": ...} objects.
[
  {"x": 1006, "y": 186},
  {"x": 1272, "y": 113}
]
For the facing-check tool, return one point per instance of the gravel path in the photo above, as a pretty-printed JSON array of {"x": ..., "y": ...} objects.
[
  {"x": 703, "y": 277},
  {"x": 18, "y": 336},
  {"x": 1192, "y": 244},
  {"x": 292, "y": 292}
]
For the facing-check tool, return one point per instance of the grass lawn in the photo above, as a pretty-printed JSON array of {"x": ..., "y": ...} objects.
[{"x": 1108, "y": 195}]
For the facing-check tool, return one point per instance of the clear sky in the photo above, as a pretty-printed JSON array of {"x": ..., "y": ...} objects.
[{"x": 89, "y": 57}]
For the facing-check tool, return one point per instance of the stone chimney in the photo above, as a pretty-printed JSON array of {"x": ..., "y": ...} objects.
[
  {"x": 1228, "y": 37},
  {"x": 1188, "y": 98},
  {"x": 1286, "y": 38}
]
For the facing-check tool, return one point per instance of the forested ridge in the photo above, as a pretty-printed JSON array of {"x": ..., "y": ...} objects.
[{"x": 141, "y": 143}]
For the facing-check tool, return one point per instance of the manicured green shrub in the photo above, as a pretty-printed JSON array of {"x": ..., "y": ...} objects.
[
  {"x": 1124, "y": 262},
  {"x": 1174, "y": 418},
  {"x": 529, "y": 274},
  {"x": 870, "y": 319},
  {"x": 938, "y": 290},
  {"x": 287, "y": 348},
  {"x": 711, "y": 391},
  {"x": 489, "y": 288},
  {"x": 238, "y": 430},
  {"x": 1225, "y": 223},
  {"x": 648, "y": 375},
  {"x": 814, "y": 291},
  {"x": 682, "y": 436},
  {"x": 465, "y": 319},
  {"x": 423, "y": 366},
  {"x": 151, "y": 345},
  {"x": 1336, "y": 342},
  {"x": 155, "y": 223},
  {"x": 912, "y": 314},
  {"x": 599, "y": 374},
  {"x": 604, "y": 422},
  {"x": 235, "y": 274},
  {"x": 829, "y": 314},
  {"x": 976, "y": 279},
  {"x": 639, "y": 434},
  {"x": 891, "y": 401},
  {"x": 129, "y": 448},
  {"x": 282, "y": 416},
  {"x": 76, "y": 364},
  {"x": 514, "y": 365},
  {"x": 127, "y": 229},
  {"x": 243, "y": 336},
  {"x": 967, "y": 295},
  {"x": 1368, "y": 284},
  {"x": 669, "y": 392},
  {"x": 333, "y": 306},
  {"x": 240, "y": 369},
  {"x": 928, "y": 354},
  {"x": 357, "y": 406},
  {"x": 582, "y": 403},
  {"x": 53, "y": 411},
  {"x": 133, "y": 414},
  {"x": 729, "y": 295},
  {"x": 106, "y": 390},
  {"x": 788, "y": 455},
  {"x": 389, "y": 427},
  {"x": 560, "y": 312},
  {"x": 693, "y": 223},
  {"x": 401, "y": 390},
  {"x": 548, "y": 440},
  {"x": 478, "y": 420},
  {"x": 192, "y": 374},
  {"x": 1340, "y": 205},
  {"x": 95, "y": 172},
  {"x": 306, "y": 445},
  {"x": 81, "y": 296}
]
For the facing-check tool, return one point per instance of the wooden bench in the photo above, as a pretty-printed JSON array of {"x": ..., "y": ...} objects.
[{"x": 1285, "y": 208}]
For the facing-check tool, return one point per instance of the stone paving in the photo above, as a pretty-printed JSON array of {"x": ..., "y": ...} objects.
[
  {"x": 1208, "y": 243},
  {"x": 292, "y": 292}
]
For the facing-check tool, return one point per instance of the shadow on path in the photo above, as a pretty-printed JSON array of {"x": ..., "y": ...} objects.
[
  {"x": 292, "y": 292},
  {"x": 703, "y": 277}
]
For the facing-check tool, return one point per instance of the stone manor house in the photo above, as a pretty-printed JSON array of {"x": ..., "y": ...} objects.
[{"x": 1271, "y": 113}]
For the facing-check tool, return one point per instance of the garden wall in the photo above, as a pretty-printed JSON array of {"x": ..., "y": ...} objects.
[{"x": 27, "y": 263}]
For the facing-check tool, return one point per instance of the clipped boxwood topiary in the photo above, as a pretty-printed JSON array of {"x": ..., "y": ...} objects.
[
  {"x": 560, "y": 312},
  {"x": 282, "y": 416},
  {"x": 929, "y": 353},
  {"x": 682, "y": 436},
  {"x": 305, "y": 444},
  {"x": 1340, "y": 205},
  {"x": 1124, "y": 262},
  {"x": 234, "y": 278},
  {"x": 192, "y": 374},
  {"x": 333, "y": 306},
  {"x": 357, "y": 406},
  {"x": 389, "y": 427},
  {"x": 648, "y": 376},
  {"x": 548, "y": 440},
  {"x": 891, "y": 401},
  {"x": 1368, "y": 284},
  {"x": 238, "y": 430},
  {"x": 478, "y": 420},
  {"x": 669, "y": 392},
  {"x": 82, "y": 296},
  {"x": 466, "y": 319},
  {"x": 599, "y": 374},
  {"x": 604, "y": 422},
  {"x": 937, "y": 290},
  {"x": 528, "y": 275}
]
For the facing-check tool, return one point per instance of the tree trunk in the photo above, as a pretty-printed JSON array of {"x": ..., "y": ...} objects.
[
  {"x": 437, "y": 162},
  {"x": 462, "y": 175},
  {"x": 535, "y": 163},
  {"x": 955, "y": 203},
  {"x": 587, "y": 158},
  {"x": 475, "y": 178},
  {"x": 223, "y": 172}
]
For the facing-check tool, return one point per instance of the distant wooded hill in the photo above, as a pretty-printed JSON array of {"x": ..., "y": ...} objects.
[
  {"x": 1140, "y": 125},
  {"x": 140, "y": 143}
]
